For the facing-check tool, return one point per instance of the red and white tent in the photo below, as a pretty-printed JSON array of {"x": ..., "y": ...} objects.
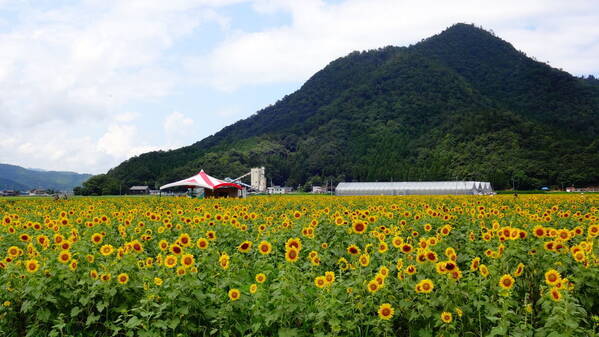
[{"x": 202, "y": 180}]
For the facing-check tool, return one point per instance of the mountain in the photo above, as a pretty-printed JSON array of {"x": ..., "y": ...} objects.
[
  {"x": 463, "y": 104},
  {"x": 18, "y": 178}
]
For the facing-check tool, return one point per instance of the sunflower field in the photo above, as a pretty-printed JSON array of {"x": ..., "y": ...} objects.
[{"x": 300, "y": 266}]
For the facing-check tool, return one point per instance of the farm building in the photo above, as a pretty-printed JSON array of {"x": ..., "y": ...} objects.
[
  {"x": 414, "y": 188},
  {"x": 139, "y": 190},
  {"x": 278, "y": 190}
]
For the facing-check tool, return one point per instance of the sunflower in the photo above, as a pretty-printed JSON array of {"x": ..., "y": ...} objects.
[
  {"x": 184, "y": 240},
  {"x": 105, "y": 277},
  {"x": 320, "y": 281},
  {"x": 253, "y": 288},
  {"x": 175, "y": 249},
  {"x": 73, "y": 265},
  {"x": 260, "y": 278},
  {"x": 397, "y": 241},
  {"x": 330, "y": 277},
  {"x": 411, "y": 269},
  {"x": 158, "y": 281},
  {"x": 211, "y": 235},
  {"x": 64, "y": 256},
  {"x": 202, "y": 243},
  {"x": 484, "y": 271},
  {"x": 14, "y": 251},
  {"x": 137, "y": 246},
  {"x": 187, "y": 260},
  {"x": 406, "y": 248},
  {"x": 386, "y": 311},
  {"x": 170, "y": 261},
  {"x": 123, "y": 278},
  {"x": 425, "y": 286},
  {"x": 93, "y": 274},
  {"x": 373, "y": 286},
  {"x": 294, "y": 243},
  {"x": 446, "y": 317},
  {"x": 163, "y": 245},
  {"x": 234, "y": 294},
  {"x": 364, "y": 260},
  {"x": 32, "y": 265},
  {"x": 538, "y": 231},
  {"x": 475, "y": 264},
  {"x": 519, "y": 270},
  {"x": 181, "y": 271},
  {"x": 555, "y": 294},
  {"x": 552, "y": 277},
  {"x": 224, "y": 261},
  {"x": 383, "y": 270},
  {"x": 106, "y": 250},
  {"x": 579, "y": 256},
  {"x": 245, "y": 246},
  {"x": 506, "y": 281},
  {"x": 264, "y": 248},
  {"x": 292, "y": 254},
  {"x": 353, "y": 250},
  {"x": 97, "y": 238},
  {"x": 359, "y": 227}
]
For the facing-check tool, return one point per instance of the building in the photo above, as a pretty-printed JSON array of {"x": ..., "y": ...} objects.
[
  {"x": 414, "y": 188},
  {"x": 139, "y": 190},
  {"x": 582, "y": 189},
  {"x": 38, "y": 192},
  {"x": 9, "y": 193},
  {"x": 278, "y": 189},
  {"x": 319, "y": 190},
  {"x": 258, "y": 179}
]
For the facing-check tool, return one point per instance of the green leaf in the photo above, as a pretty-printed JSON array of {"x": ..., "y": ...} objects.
[
  {"x": 101, "y": 305},
  {"x": 133, "y": 322},
  {"x": 287, "y": 332},
  {"x": 174, "y": 323},
  {"x": 91, "y": 319},
  {"x": 75, "y": 311}
]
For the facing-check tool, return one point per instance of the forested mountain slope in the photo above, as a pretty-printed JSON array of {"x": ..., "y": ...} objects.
[{"x": 463, "y": 104}]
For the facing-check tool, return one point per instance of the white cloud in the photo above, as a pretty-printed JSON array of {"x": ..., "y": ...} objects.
[
  {"x": 321, "y": 32},
  {"x": 121, "y": 141},
  {"x": 126, "y": 117},
  {"x": 176, "y": 122},
  {"x": 90, "y": 57}
]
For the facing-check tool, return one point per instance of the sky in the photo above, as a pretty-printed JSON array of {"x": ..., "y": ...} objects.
[{"x": 85, "y": 85}]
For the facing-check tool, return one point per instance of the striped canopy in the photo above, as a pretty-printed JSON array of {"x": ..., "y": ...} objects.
[{"x": 201, "y": 180}]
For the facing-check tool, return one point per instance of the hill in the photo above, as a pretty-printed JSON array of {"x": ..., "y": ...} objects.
[
  {"x": 463, "y": 104},
  {"x": 18, "y": 178}
]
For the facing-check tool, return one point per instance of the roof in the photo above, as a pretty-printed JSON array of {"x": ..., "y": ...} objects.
[
  {"x": 413, "y": 187},
  {"x": 201, "y": 180},
  {"x": 137, "y": 188}
]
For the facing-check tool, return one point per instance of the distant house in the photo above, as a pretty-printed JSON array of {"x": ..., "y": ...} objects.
[
  {"x": 582, "y": 189},
  {"x": 278, "y": 190},
  {"x": 319, "y": 189},
  {"x": 9, "y": 193},
  {"x": 139, "y": 190},
  {"x": 38, "y": 192}
]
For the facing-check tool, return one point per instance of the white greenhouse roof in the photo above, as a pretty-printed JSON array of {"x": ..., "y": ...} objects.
[{"x": 414, "y": 188}]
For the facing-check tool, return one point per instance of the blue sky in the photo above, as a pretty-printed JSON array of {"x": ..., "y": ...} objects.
[{"x": 87, "y": 84}]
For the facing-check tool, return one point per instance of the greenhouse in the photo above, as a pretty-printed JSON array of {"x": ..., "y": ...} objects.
[{"x": 415, "y": 188}]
